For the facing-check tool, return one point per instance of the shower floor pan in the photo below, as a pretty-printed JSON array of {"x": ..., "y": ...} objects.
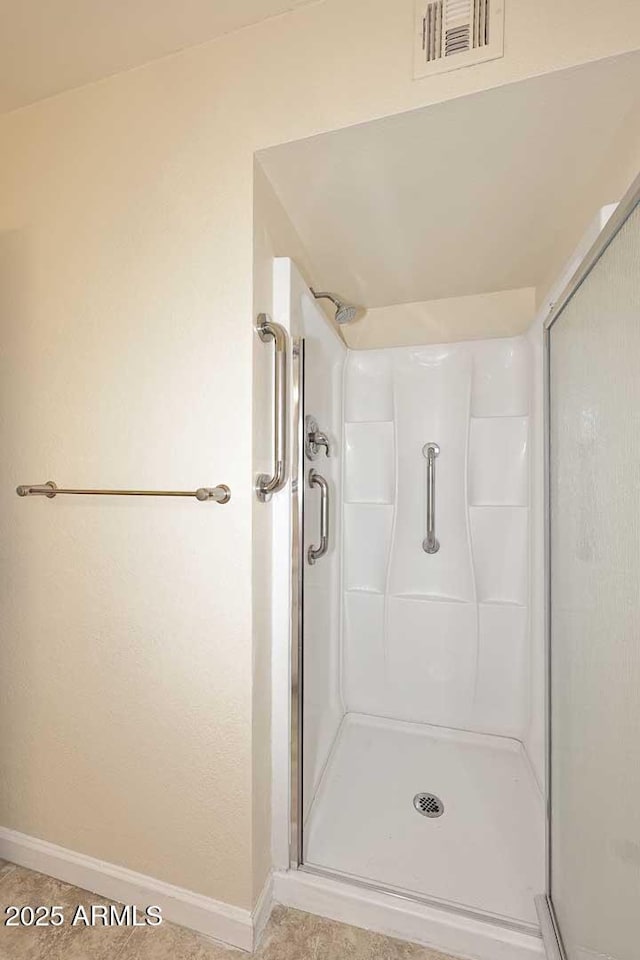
[{"x": 485, "y": 852}]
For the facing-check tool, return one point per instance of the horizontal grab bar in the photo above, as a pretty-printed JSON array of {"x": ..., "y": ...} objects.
[{"x": 219, "y": 494}]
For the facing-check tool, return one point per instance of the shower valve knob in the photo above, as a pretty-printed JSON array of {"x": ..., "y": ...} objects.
[{"x": 314, "y": 439}]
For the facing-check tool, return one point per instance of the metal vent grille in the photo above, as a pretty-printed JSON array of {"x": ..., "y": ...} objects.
[
  {"x": 428, "y": 804},
  {"x": 454, "y": 26}
]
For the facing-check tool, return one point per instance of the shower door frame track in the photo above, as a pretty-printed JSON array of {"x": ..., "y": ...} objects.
[
  {"x": 296, "y": 756},
  {"x": 550, "y": 928},
  {"x": 297, "y": 600}
]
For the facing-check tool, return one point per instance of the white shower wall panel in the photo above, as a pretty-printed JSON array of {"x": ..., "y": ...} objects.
[
  {"x": 438, "y": 638},
  {"x": 431, "y": 651},
  {"x": 498, "y": 461},
  {"x": 371, "y": 474},
  {"x": 432, "y": 392}
]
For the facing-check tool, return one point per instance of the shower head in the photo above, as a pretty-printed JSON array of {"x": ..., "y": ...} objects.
[{"x": 345, "y": 312}]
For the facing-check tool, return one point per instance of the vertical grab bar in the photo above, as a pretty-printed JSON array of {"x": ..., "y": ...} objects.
[
  {"x": 314, "y": 553},
  {"x": 431, "y": 544},
  {"x": 266, "y": 485}
]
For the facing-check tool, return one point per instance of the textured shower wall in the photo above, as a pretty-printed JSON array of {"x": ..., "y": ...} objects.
[{"x": 438, "y": 638}]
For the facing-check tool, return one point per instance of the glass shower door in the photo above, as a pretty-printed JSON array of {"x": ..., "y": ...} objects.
[{"x": 594, "y": 501}]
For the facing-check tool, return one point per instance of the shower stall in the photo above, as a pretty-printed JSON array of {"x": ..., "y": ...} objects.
[
  {"x": 456, "y": 731},
  {"x": 413, "y": 691},
  {"x": 415, "y": 701}
]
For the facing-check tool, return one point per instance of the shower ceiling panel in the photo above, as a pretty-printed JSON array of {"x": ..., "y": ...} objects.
[{"x": 484, "y": 193}]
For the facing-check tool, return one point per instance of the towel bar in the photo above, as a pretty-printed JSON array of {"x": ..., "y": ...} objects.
[{"x": 220, "y": 494}]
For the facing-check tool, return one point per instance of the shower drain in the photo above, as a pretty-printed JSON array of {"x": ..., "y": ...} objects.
[{"x": 428, "y": 804}]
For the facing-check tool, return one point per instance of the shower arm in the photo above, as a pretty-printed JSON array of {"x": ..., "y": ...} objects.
[{"x": 325, "y": 295}]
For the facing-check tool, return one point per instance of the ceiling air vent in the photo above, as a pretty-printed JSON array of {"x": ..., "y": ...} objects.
[{"x": 457, "y": 33}]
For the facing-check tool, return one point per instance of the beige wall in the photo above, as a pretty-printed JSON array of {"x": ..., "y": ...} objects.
[
  {"x": 609, "y": 183},
  {"x": 128, "y": 647}
]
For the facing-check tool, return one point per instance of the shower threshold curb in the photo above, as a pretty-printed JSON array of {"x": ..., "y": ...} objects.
[{"x": 393, "y": 916}]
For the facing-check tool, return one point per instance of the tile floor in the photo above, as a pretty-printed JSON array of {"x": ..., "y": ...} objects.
[{"x": 290, "y": 934}]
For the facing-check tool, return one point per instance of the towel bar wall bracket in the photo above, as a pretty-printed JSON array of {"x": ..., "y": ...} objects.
[{"x": 219, "y": 494}]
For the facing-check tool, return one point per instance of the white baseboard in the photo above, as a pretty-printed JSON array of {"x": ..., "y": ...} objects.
[
  {"x": 212, "y": 918},
  {"x": 461, "y": 936}
]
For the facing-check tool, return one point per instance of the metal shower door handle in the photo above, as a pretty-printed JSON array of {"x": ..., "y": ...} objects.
[
  {"x": 314, "y": 553},
  {"x": 430, "y": 544}
]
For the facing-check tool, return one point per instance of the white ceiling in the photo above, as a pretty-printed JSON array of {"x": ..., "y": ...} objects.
[
  {"x": 473, "y": 195},
  {"x": 47, "y": 46}
]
